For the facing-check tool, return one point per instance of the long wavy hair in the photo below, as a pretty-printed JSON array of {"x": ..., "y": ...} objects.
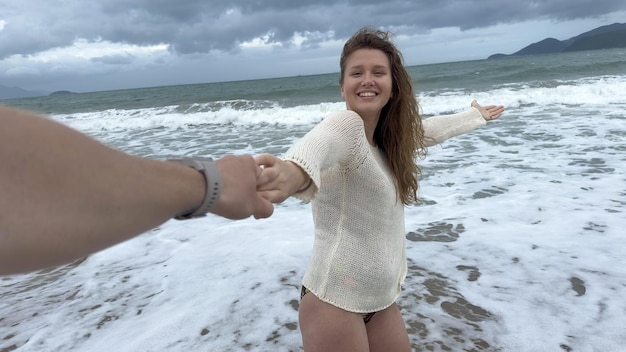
[{"x": 399, "y": 132}]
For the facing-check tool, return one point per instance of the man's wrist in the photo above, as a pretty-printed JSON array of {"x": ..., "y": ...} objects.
[{"x": 213, "y": 181}]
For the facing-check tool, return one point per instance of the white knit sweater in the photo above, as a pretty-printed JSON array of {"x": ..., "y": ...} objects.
[{"x": 358, "y": 261}]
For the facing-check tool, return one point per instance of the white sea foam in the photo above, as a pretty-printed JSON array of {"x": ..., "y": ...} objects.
[
  {"x": 603, "y": 90},
  {"x": 518, "y": 246}
]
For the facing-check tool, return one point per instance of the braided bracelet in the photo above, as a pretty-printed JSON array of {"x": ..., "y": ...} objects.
[{"x": 308, "y": 185}]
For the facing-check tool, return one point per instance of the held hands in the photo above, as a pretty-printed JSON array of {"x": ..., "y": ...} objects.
[
  {"x": 489, "y": 112},
  {"x": 239, "y": 198},
  {"x": 251, "y": 185},
  {"x": 279, "y": 179}
]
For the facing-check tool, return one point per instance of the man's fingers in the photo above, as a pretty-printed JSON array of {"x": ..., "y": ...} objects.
[
  {"x": 263, "y": 208},
  {"x": 274, "y": 196}
]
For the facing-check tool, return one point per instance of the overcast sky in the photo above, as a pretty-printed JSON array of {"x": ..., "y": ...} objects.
[{"x": 98, "y": 45}]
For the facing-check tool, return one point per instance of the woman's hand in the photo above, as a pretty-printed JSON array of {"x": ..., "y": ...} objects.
[
  {"x": 279, "y": 179},
  {"x": 489, "y": 112}
]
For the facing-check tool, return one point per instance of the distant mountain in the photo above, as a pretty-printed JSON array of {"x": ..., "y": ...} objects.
[
  {"x": 16, "y": 92},
  {"x": 605, "y": 37},
  {"x": 61, "y": 92}
]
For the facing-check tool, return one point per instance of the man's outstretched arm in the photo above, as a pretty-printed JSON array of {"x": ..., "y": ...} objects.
[{"x": 64, "y": 195}]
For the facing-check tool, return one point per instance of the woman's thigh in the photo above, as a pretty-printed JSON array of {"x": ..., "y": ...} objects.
[
  {"x": 386, "y": 331},
  {"x": 327, "y": 328}
]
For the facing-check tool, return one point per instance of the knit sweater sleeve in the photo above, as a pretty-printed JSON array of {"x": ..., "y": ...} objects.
[
  {"x": 440, "y": 128},
  {"x": 335, "y": 140}
]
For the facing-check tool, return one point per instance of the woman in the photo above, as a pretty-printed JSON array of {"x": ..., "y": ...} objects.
[{"x": 358, "y": 167}]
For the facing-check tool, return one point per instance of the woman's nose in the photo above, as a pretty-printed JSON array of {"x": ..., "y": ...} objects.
[{"x": 367, "y": 80}]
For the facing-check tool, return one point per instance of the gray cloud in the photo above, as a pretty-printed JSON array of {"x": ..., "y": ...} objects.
[
  {"x": 122, "y": 59},
  {"x": 199, "y": 26},
  {"x": 113, "y": 44}
]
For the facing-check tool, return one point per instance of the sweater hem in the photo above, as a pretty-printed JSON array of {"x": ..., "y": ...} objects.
[{"x": 353, "y": 309}]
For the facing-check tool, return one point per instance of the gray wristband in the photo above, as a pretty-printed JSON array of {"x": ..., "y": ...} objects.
[{"x": 208, "y": 169}]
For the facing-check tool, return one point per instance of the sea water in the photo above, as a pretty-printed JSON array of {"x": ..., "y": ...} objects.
[{"x": 518, "y": 242}]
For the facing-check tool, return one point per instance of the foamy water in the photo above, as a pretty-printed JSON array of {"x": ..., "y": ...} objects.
[{"x": 518, "y": 245}]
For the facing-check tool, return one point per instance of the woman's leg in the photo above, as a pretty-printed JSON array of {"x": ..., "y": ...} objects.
[
  {"x": 386, "y": 331},
  {"x": 327, "y": 328}
]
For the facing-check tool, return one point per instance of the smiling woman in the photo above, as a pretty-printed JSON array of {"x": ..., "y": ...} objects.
[
  {"x": 366, "y": 86},
  {"x": 358, "y": 168}
]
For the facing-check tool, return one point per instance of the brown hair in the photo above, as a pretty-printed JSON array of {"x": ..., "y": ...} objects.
[{"x": 399, "y": 132}]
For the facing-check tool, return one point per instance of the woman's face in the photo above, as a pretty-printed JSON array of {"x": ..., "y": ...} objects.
[{"x": 367, "y": 82}]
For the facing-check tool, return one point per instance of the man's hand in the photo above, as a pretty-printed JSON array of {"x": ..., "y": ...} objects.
[{"x": 239, "y": 198}]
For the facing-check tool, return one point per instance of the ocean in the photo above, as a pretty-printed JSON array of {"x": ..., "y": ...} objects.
[{"x": 518, "y": 242}]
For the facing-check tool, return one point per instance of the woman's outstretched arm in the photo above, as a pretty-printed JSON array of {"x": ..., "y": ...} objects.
[{"x": 440, "y": 128}]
